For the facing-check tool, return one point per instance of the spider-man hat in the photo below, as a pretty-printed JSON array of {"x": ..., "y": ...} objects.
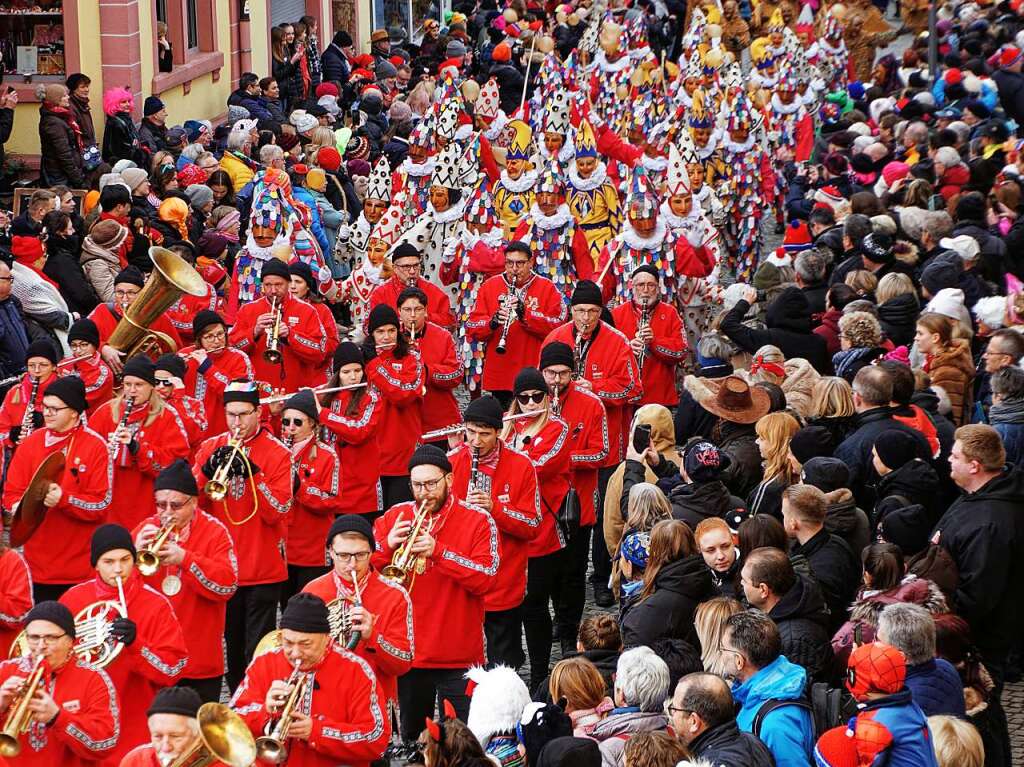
[{"x": 875, "y": 668}]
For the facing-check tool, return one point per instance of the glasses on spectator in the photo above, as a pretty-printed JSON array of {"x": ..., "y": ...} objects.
[
  {"x": 670, "y": 709},
  {"x": 7, "y": 279}
]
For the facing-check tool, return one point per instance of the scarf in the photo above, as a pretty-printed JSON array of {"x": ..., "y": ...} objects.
[
  {"x": 225, "y": 224},
  {"x": 774, "y": 368},
  {"x": 67, "y": 116}
]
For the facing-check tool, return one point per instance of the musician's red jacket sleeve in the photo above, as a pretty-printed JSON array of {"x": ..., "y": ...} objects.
[
  {"x": 400, "y": 382},
  {"x": 15, "y": 597},
  {"x": 313, "y": 507}
]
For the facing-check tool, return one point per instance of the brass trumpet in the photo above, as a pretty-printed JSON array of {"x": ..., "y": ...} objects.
[
  {"x": 148, "y": 559},
  {"x": 272, "y": 747},
  {"x": 272, "y": 353},
  {"x": 404, "y": 564},
  {"x": 224, "y": 738},
  {"x": 19, "y": 718},
  {"x": 217, "y": 486}
]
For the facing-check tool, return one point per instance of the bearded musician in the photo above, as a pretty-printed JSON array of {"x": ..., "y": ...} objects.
[
  {"x": 75, "y": 712},
  {"x": 407, "y": 262},
  {"x": 497, "y": 478},
  {"x": 144, "y": 435},
  {"x": 211, "y": 365},
  {"x": 153, "y": 652},
  {"x": 340, "y": 718},
  {"x": 76, "y": 502},
  {"x": 40, "y": 372},
  {"x": 86, "y": 363},
  {"x": 197, "y": 571},
  {"x": 454, "y": 565},
  {"x": 378, "y": 608}
]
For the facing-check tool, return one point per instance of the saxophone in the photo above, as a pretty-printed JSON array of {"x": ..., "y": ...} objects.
[{"x": 28, "y": 423}]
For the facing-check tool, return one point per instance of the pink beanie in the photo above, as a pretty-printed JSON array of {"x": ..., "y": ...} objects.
[{"x": 894, "y": 171}]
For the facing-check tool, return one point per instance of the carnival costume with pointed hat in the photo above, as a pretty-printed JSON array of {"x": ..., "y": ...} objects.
[
  {"x": 556, "y": 121},
  {"x": 611, "y": 76},
  {"x": 513, "y": 194},
  {"x": 379, "y": 188},
  {"x": 488, "y": 109},
  {"x": 593, "y": 201},
  {"x": 444, "y": 227},
  {"x": 835, "y": 56},
  {"x": 709, "y": 154},
  {"x": 415, "y": 176},
  {"x": 367, "y": 276}
]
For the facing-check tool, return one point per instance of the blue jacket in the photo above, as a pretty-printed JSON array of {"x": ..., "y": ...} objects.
[
  {"x": 911, "y": 739},
  {"x": 14, "y": 338},
  {"x": 936, "y": 687},
  {"x": 317, "y": 229},
  {"x": 788, "y": 731}
]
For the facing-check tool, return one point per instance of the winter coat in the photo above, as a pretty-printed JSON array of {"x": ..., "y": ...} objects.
[
  {"x": 855, "y": 450},
  {"x": 6, "y": 127},
  {"x": 848, "y": 361},
  {"x": 510, "y": 86},
  {"x": 692, "y": 420},
  {"x": 952, "y": 181},
  {"x": 844, "y": 519},
  {"x": 83, "y": 116},
  {"x": 739, "y": 440},
  {"x": 61, "y": 158},
  {"x": 991, "y": 262},
  {"x": 788, "y": 731},
  {"x": 240, "y": 173},
  {"x": 984, "y": 534},
  {"x": 915, "y": 481},
  {"x": 835, "y": 568},
  {"x": 928, "y": 401},
  {"x": 121, "y": 140},
  {"x": 14, "y": 337},
  {"x": 334, "y": 65},
  {"x": 789, "y": 328},
  {"x": 766, "y": 498},
  {"x": 832, "y": 239},
  {"x": 152, "y": 136},
  {"x": 289, "y": 80},
  {"x": 868, "y": 606},
  {"x": 100, "y": 267},
  {"x": 898, "y": 317},
  {"x": 798, "y": 385},
  {"x": 803, "y": 621},
  {"x": 952, "y": 368},
  {"x": 815, "y": 294},
  {"x": 910, "y": 740},
  {"x": 936, "y": 687},
  {"x": 1007, "y": 418},
  {"x": 839, "y": 428},
  {"x": 612, "y": 733},
  {"x": 695, "y": 502},
  {"x": 668, "y": 611},
  {"x": 829, "y": 330},
  {"x": 606, "y": 662},
  {"x": 726, "y": 745},
  {"x": 62, "y": 267}
]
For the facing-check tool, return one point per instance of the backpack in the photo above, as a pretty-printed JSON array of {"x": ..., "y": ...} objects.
[{"x": 829, "y": 707}]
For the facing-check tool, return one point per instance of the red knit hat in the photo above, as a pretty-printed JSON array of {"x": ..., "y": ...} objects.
[
  {"x": 836, "y": 748},
  {"x": 329, "y": 158},
  {"x": 953, "y": 76},
  {"x": 26, "y": 250},
  {"x": 326, "y": 89},
  {"x": 1009, "y": 56},
  {"x": 364, "y": 60},
  {"x": 502, "y": 52},
  {"x": 798, "y": 236}
]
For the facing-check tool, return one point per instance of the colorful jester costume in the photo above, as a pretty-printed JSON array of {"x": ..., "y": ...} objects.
[
  {"x": 592, "y": 199},
  {"x": 513, "y": 194}
]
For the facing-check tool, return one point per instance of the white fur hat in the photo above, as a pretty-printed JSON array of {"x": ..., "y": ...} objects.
[
  {"x": 992, "y": 311},
  {"x": 497, "y": 701},
  {"x": 732, "y": 294}
]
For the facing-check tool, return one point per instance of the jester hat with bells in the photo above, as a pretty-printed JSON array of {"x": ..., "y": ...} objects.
[{"x": 488, "y": 103}]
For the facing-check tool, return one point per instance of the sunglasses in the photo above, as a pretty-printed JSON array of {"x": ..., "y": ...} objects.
[
  {"x": 164, "y": 382},
  {"x": 292, "y": 421},
  {"x": 536, "y": 398}
]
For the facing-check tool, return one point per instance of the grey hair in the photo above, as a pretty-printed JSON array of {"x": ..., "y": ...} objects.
[
  {"x": 938, "y": 224},
  {"x": 647, "y": 506},
  {"x": 910, "y": 629},
  {"x": 1008, "y": 382},
  {"x": 192, "y": 151},
  {"x": 717, "y": 346},
  {"x": 810, "y": 266},
  {"x": 238, "y": 140},
  {"x": 947, "y": 156},
  {"x": 269, "y": 153},
  {"x": 918, "y": 131},
  {"x": 642, "y": 678}
]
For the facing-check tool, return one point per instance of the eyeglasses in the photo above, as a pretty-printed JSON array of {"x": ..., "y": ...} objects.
[
  {"x": 7, "y": 279},
  {"x": 428, "y": 486},
  {"x": 49, "y": 410},
  {"x": 723, "y": 648},
  {"x": 78, "y": 346},
  {"x": 293, "y": 421},
  {"x": 48, "y": 639},
  {"x": 536, "y": 398},
  {"x": 236, "y": 416},
  {"x": 218, "y": 336},
  {"x": 407, "y": 267},
  {"x": 516, "y": 262},
  {"x": 172, "y": 505},
  {"x": 670, "y": 709},
  {"x": 126, "y": 293},
  {"x": 345, "y": 557},
  {"x": 164, "y": 382}
]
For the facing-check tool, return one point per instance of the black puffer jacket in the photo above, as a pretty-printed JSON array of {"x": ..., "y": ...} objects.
[
  {"x": 739, "y": 440},
  {"x": 845, "y": 519},
  {"x": 803, "y": 621},
  {"x": 789, "y": 327},
  {"x": 668, "y": 612},
  {"x": 61, "y": 163},
  {"x": 835, "y": 568},
  {"x": 992, "y": 260},
  {"x": 698, "y": 501},
  {"x": 725, "y": 744},
  {"x": 916, "y": 481},
  {"x": 898, "y": 317},
  {"x": 121, "y": 140}
]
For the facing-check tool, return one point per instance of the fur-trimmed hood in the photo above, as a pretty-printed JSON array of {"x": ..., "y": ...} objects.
[
  {"x": 906, "y": 252},
  {"x": 497, "y": 701},
  {"x": 919, "y": 591}
]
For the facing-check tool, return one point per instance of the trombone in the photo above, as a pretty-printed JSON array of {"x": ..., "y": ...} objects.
[
  {"x": 19, "y": 717},
  {"x": 272, "y": 353},
  {"x": 217, "y": 486},
  {"x": 224, "y": 738},
  {"x": 405, "y": 565},
  {"x": 272, "y": 747},
  {"x": 148, "y": 559}
]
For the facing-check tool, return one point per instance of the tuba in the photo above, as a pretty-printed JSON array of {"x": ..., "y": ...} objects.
[
  {"x": 272, "y": 747},
  {"x": 171, "y": 277},
  {"x": 19, "y": 718},
  {"x": 148, "y": 559},
  {"x": 224, "y": 738},
  {"x": 404, "y": 564}
]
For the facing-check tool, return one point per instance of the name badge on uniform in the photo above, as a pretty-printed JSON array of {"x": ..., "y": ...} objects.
[{"x": 74, "y": 706}]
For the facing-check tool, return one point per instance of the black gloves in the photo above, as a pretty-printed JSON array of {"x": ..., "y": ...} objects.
[
  {"x": 239, "y": 466},
  {"x": 124, "y": 630}
]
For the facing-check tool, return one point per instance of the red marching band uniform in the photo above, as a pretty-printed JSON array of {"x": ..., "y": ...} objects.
[
  {"x": 400, "y": 382},
  {"x": 511, "y": 481},
  {"x": 664, "y": 352},
  {"x": 193, "y": 416},
  {"x": 15, "y": 597},
  {"x": 389, "y": 650},
  {"x": 587, "y": 420},
  {"x": 439, "y": 306},
  {"x": 355, "y": 440},
  {"x": 181, "y": 312},
  {"x": 95, "y": 374},
  {"x": 456, "y": 579},
  {"x": 442, "y": 369},
  {"x": 208, "y": 577},
  {"x": 314, "y": 502},
  {"x": 302, "y": 351},
  {"x": 58, "y": 551},
  {"x": 207, "y": 382},
  {"x": 544, "y": 311},
  {"x": 106, "y": 317},
  {"x": 608, "y": 364},
  {"x": 155, "y": 659},
  {"x": 12, "y": 413},
  {"x": 549, "y": 451},
  {"x": 159, "y": 432},
  {"x": 88, "y": 726},
  {"x": 344, "y": 703}
]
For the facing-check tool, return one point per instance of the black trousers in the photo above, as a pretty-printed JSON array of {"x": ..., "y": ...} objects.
[
  {"x": 420, "y": 689},
  {"x": 395, "y": 490},
  {"x": 599, "y": 551},
  {"x": 503, "y": 630},
  {"x": 208, "y": 689},
  {"x": 298, "y": 577},
  {"x": 542, "y": 577},
  {"x": 251, "y": 613},
  {"x": 570, "y": 588},
  {"x": 46, "y": 592}
]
